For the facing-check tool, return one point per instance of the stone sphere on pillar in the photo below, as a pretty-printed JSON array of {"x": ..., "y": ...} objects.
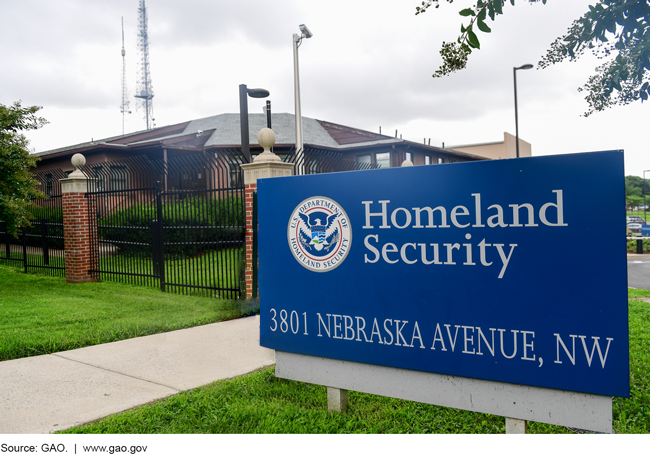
[
  {"x": 266, "y": 138},
  {"x": 78, "y": 161}
]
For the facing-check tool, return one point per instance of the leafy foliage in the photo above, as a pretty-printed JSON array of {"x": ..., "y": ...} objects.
[
  {"x": 634, "y": 190},
  {"x": 631, "y": 246},
  {"x": 614, "y": 29},
  {"x": 17, "y": 186}
]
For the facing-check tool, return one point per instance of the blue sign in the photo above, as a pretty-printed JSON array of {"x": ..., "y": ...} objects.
[
  {"x": 467, "y": 269},
  {"x": 645, "y": 230}
]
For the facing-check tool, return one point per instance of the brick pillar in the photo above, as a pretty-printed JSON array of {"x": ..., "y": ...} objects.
[
  {"x": 248, "y": 191},
  {"x": 265, "y": 165},
  {"x": 77, "y": 224}
]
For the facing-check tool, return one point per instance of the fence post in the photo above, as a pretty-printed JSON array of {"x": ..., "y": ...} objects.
[
  {"x": 7, "y": 242},
  {"x": 46, "y": 253},
  {"x": 79, "y": 230},
  {"x": 265, "y": 165},
  {"x": 155, "y": 248},
  {"x": 24, "y": 251},
  {"x": 161, "y": 242}
]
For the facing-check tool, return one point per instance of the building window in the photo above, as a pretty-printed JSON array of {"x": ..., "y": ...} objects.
[
  {"x": 409, "y": 156},
  {"x": 118, "y": 178},
  {"x": 98, "y": 174},
  {"x": 236, "y": 174},
  {"x": 427, "y": 160},
  {"x": 236, "y": 177},
  {"x": 49, "y": 185},
  {"x": 366, "y": 158},
  {"x": 383, "y": 160},
  {"x": 441, "y": 160}
]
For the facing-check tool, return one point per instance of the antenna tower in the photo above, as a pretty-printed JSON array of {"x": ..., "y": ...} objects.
[
  {"x": 144, "y": 90},
  {"x": 124, "y": 107}
]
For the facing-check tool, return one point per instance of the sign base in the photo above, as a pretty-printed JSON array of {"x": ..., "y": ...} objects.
[{"x": 573, "y": 409}]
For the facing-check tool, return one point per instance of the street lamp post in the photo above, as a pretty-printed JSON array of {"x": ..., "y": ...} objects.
[
  {"x": 297, "y": 40},
  {"x": 514, "y": 73},
  {"x": 244, "y": 92},
  {"x": 644, "y": 209}
]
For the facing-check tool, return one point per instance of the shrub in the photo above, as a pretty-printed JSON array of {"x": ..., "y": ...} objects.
[
  {"x": 631, "y": 245},
  {"x": 51, "y": 216},
  {"x": 191, "y": 227}
]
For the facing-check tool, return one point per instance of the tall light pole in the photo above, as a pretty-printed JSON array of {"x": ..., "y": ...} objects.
[
  {"x": 644, "y": 210},
  {"x": 297, "y": 40},
  {"x": 244, "y": 93},
  {"x": 514, "y": 73}
]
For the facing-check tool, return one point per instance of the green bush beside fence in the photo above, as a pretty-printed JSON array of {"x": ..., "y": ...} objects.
[{"x": 191, "y": 226}]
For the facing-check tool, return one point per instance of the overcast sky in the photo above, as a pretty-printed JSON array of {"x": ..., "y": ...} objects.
[{"x": 369, "y": 64}]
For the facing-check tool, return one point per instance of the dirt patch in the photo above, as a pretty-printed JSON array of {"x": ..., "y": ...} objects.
[{"x": 646, "y": 300}]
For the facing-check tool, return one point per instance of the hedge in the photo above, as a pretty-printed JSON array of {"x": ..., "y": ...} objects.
[{"x": 224, "y": 219}]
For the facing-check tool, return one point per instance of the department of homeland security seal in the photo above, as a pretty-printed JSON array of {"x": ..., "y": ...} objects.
[{"x": 319, "y": 234}]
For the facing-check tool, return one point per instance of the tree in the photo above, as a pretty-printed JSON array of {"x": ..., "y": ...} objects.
[
  {"x": 633, "y": 201},
  {"x": 634, "y": 185},
  {"x": 17, "y": 186},
  {"x": 614, "y": 29}
]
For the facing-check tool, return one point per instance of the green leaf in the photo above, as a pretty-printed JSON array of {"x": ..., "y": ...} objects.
[
  {"x": 483, "y": 27},
  {"x": 491, "y": 11},
  {"x": 467, "y": 12},
  {"x": 473, "y": 40},
  {"x": 498, "y": 6}
]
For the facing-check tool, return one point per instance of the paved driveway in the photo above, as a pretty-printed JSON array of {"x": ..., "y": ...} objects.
[{"x": 638, "y": 271}]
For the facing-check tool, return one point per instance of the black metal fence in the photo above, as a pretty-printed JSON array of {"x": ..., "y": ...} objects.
[
  {"x": 312, "y": 160},
  {"x": 177, "y": 224},
  {"x": 39, "y": 248}
]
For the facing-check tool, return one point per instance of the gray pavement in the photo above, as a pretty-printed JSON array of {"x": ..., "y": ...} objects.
[
  {"x": 53, "y": 392},
  {"x": 638, "y": 271}
]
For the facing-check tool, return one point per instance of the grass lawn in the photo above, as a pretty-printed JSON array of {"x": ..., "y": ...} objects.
[
  {"x": 260, "y": 403},
  {"x": 42, "y": 315}
]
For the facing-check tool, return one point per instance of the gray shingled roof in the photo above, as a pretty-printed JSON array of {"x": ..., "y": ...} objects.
[{"x": 228, "y": 132}]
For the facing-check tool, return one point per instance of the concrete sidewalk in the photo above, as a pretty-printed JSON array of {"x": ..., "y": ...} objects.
[{"x": 53, "y": 392}]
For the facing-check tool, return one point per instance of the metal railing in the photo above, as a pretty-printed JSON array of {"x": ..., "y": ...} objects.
[
  {"x": 177, "y": 224},
  {"x": 39, "y": 248}
]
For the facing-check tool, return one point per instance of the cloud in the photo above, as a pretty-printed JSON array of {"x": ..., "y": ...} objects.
[{"x": 369, "y": 64}]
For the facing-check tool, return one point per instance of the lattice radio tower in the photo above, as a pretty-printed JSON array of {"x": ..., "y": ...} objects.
[
  {"x": 144, "y": 90},
  {"x": 124, "y": 107}
]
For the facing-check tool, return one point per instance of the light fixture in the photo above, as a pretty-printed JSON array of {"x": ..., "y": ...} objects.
[
  {"x": 297, "y": 40},
  {"x": 244, "y": 92},
  {"x": 305, "y": 31},
  {"x": 514, "y": 73}
]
